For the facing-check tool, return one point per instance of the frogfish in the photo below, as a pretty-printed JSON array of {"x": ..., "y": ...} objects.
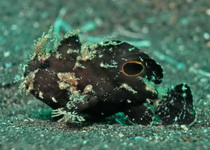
[{"x": 98, "y": 80}]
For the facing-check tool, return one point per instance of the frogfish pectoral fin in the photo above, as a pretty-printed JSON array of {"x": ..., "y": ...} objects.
[
  {"x": 177, "y": 106},
  {"x": 139, "y": 114}
]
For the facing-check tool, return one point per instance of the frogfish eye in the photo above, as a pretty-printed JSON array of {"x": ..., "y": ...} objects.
[{"x": 132, "y": 68}]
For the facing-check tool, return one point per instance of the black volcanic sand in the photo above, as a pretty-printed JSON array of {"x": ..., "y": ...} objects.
[{"x": 179, "y": 39}]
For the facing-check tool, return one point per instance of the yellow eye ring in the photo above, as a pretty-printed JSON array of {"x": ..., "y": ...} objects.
[{"x": 132, "y": 68}]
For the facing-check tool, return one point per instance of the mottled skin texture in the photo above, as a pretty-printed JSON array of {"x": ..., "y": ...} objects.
[
  {"x": 103, "y": 71},
  {"x": 106, "y": 80},
  {"x": 46, "y": 78}
]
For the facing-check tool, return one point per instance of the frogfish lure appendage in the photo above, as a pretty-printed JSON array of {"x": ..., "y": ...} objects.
[{"x": 99, "y": 80}]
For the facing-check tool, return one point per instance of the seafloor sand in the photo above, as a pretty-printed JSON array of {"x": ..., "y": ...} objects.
[{"x": 176, "y": 34}]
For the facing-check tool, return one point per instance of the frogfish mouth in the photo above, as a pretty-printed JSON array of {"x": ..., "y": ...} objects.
[{"x": 98, "y": 80}]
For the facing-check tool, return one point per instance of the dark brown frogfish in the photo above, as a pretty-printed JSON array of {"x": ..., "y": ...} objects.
[{"x": 99, "y": 80}]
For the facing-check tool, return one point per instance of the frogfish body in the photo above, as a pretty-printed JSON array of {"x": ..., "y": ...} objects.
[{"x": 99, "y": 80}]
